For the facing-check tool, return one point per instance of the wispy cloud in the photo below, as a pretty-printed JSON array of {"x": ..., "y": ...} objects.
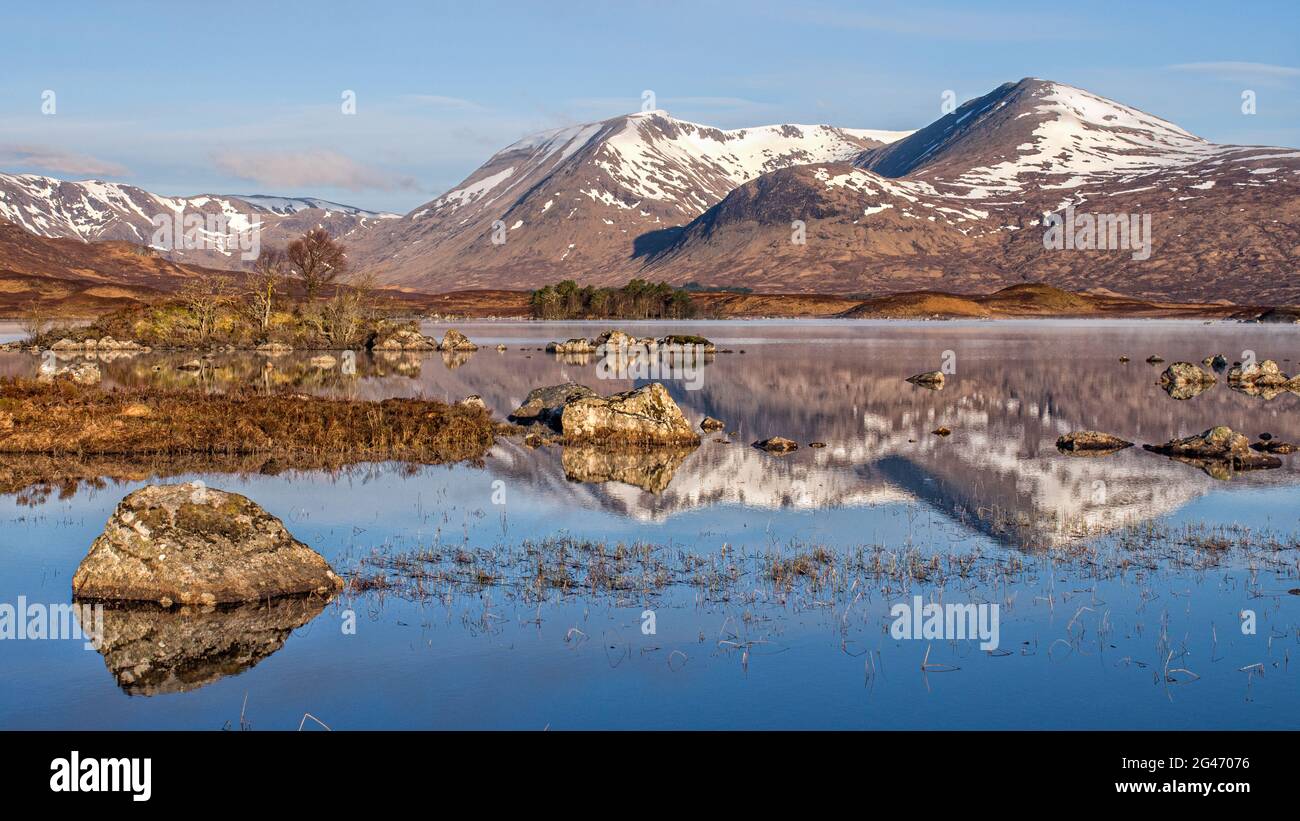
[
  {"x": 1237, "y": 70},
  {"x": 60, "y": 162},
  {"x": 441, "y": 101},
  {"x": 307, "y": 169}
]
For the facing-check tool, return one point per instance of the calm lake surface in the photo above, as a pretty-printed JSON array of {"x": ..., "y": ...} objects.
[{"x": 1120, "y": 581}]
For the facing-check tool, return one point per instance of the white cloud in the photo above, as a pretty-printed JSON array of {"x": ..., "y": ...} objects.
[
  {"x": 60, "y": 162},
  {"x": 307, "y": 169}
]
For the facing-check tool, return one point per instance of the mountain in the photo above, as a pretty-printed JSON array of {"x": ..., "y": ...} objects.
[
  {"x": 70, "y": 277},
  {"x": 93, "y": 210},
  {"x": 588, "y": 201},
  {"x": 959, "y": 206}
]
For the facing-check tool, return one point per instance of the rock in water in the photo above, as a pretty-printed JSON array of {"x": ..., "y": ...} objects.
[
  {"x": 710, "y": 424},
  {"x": 1183, "y": 380},
  {"x": 929, "y": 379},
  {"x": 1185, "y": 373},
  {"x": 776, "y": 444},
  {"x": 1091, "y": 440},
  {"x": 645, "y": 416},
  {"x": 543, "y": 405},
  {"x": 454, "y": 340},
  {"x": 187, "y": 544},
  {"x": 1219, "y": 445}
]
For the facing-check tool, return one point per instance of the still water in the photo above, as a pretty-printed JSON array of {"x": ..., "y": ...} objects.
[{"x": 1120, "y": 581}]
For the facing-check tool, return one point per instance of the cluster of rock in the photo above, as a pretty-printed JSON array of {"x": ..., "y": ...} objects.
[
  {"x": 409, "y": 339},
  {"x": 1262, "y": 379},
  {"x": 193, "y": 545},
  {"x": 644, "y": 416},
  {"x": 1219, "y": 451},
  {"x": 107, "y": 343},
  {"x": 1220, "y": 445},
  {"x": 615, "y": 340}
]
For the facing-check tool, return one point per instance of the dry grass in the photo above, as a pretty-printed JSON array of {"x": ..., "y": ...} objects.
[{"x": 62, "y": 419}]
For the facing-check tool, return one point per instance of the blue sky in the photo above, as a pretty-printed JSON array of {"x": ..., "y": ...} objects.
[{"x": 186, "y": 99}]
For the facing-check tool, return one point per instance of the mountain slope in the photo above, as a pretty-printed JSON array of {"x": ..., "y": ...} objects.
[
  {"x": 74, "y": 278},
  {"x": 589, "y": 200},
  {"x": 92, "y": 210},
  {"x": 959, "y": 206}
]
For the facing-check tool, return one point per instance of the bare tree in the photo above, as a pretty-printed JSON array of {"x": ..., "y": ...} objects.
[
  {"x": 343, "y": 320},
  {"x": 264, "y": 286},
  {"x": 35, "y": 321},
  {"x": 317, "y": 259},
  {"x": 203, "y": 299}
]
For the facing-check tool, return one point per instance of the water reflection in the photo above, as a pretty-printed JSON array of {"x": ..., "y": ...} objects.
[
  {"x": 150, "y": 651},
  {"x": 1014, "y": 389}
]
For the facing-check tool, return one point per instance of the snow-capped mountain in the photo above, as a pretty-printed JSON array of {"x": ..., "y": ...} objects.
[
  {"x": 959, "y": 206},
  {"x": 92, "y": 210},
  {"x": 589, "y": 198}
]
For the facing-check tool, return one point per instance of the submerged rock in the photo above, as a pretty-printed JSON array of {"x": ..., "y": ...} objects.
[
  {"x": 1092, "y": 441},
  {"x": 942, "y": 431},
  {"x": 188, "y": 544},
  {"x": 1218, "y": 362},
  {"x": 1272, "y": 445},
  {"x": 647, "y": 415},
  {"x": 1154, "y": 359},
  {"x": 930, "y": 379},
  {"x": 1218, "y": 450},
  {"x": 777, "y": 444},
  {"x": 323, "y": 362}
]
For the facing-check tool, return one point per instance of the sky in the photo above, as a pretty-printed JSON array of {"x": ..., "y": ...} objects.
[{"x": 249, "y": 98}]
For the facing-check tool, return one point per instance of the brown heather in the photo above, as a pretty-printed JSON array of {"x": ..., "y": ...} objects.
[{"x": 62, "y": 419}]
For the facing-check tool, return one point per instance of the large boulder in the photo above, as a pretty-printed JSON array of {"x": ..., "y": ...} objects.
[
  {"x": 645, "y": 416},
  {"x": 188, "y": 544},
  {"x": 543, "y": 405}
]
